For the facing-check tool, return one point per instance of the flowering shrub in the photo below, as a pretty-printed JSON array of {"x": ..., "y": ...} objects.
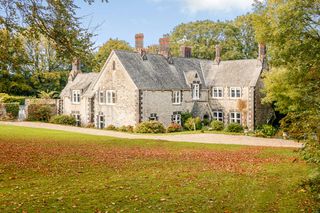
[
  {"x": 174, "y": 127},
  {"x": 111, "y": 127},
  {"x": 126, "y": 128}
]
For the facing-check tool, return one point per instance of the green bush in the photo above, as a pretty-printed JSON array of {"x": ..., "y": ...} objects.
[
  {"x": 63, "y": 119},
  {"x": 126, "y": 128},
  {"x": 174, "y": 127},
  {"x": 5, "y": 98},
  {"x": 185, "y": 116},
  {"x": 193, "y": 124},
  {"x": 150, "y": 127},
  {"x": 234, "y": 127},
  {"x": 217, "y": 125},
  {"x": 111, "y": 127},
  {"x": 40, "y": 112},
  {"x": 12, "y": 110},
  {"x": 206, "y": 122},
  {"x": 268, "y": 130}
]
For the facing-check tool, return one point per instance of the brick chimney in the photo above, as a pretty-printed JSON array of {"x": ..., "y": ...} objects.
[
  {"x": 164, "y": 46},
  {"x": 185, "y": 52},
  {"x": 75, "y": 69},
  {"x": 262, "y": 52},
  {"x": 218, "y": 54},
  {"x": 139, "y": 41}
]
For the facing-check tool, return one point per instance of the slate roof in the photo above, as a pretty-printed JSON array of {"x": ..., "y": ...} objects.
[
  {"x": 82, "y": 82},
  {"x": 156, "y": 73}
]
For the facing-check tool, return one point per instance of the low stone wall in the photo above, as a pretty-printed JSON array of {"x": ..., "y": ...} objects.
[{"x": 31, "y": 104}]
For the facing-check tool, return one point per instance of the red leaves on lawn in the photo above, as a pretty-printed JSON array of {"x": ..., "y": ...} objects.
[{"x": 42, "y": 155}]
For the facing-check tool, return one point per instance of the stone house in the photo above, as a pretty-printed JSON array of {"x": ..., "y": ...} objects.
[{"x": 138, "y": 86}]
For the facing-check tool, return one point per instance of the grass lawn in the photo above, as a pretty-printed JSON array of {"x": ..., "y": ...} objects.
[{"x": 55, "y": 171}]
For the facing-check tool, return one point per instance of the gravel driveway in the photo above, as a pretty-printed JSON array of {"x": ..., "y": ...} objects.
[{"x": 196, "y": 138}]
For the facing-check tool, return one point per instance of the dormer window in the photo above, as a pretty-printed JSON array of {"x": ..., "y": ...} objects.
[
  {"x": 113, "y": 65},
  {"x": 195, "y": 91},
  {"x": 75, "y": 96}
]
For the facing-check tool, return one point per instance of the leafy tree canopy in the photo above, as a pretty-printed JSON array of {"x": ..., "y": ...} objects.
[
  {"x": 105, "y": 50},
  {"x": 237, "y": 38}
]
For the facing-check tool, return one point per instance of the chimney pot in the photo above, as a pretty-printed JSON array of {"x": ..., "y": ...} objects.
[
  {"x": 139, "y": 41},
  {"x": 262, "y": 51},
  {"x": 218, "y": 53},
  {"x": 164, "y": 45}
]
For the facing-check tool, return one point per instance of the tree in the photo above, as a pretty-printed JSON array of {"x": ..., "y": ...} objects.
[
  {"x": 105, "y": 50},
  {"x": 237, "y": 38},
  {"x": 55, "y": 20},
  {"x": 292, "y": 31}
]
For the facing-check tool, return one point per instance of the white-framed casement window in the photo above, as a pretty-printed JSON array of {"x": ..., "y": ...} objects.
[
  {"x": 217, "y": 92},
  {"x": 218, "y": 115},
  {"x": 102, "y": 97},
  {"x": 235, "y": 117},
  {"x": 195, "y": 91},
  {"x": 78, "y": 119},
  {"x": 176, "y": 118},
  {"x": 176, "y": 99},
  {"x": 75, "y": 96},
  {"x": 111, "y": 97},
  {"x": 235, "y": 92},
  {"x": 153, "y": 117}
]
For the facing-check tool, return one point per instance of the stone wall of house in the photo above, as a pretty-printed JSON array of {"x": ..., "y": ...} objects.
[
  {"x": 226, "y": 104},
  {"x": 81, "y": 108},
  {"x": 160, "y": 102},
  {"x": 125, "y": 111},
  {"x": 263, "y": 112}
]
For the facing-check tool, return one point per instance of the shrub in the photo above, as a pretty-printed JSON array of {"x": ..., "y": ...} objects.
[
  {"x": 5, "y": 98},
  {"x": 234, "y": 127},
  {"x": 268, "y": 130},
  {"x": 12, "y": 110},
  {"x": 63, "y": 119},
  {"x": 90, "y": 125},
  {"x": 40, "y": 112},
  {"x": 185, "y": 116},
  {"x": 150, "y": 127},
  {"x": 193, "y": 124},
  {"x": 126, "y": 128},
  {"x": 217, "y": 125},
  {"x": 174, "y": 127},
  {"x": 111, "y": 127},
  {"x": 206, "y": 122}
]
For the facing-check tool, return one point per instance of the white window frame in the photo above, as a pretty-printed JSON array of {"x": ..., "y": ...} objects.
[
  {"x": 76, "y": 96},
  {"x": 111, "y": 97},
  {"x": 219, "y": 115},
  {"x": 235, "y": 89},
  {"x": 216, "y": 91},
  {"x": 177, "y": 97},
  {"x": 235, "y": 117},
  {"x": 176, "y": 118},
  {"x": 102, "y": 97},
  {"x": 195, "y": 91}
]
